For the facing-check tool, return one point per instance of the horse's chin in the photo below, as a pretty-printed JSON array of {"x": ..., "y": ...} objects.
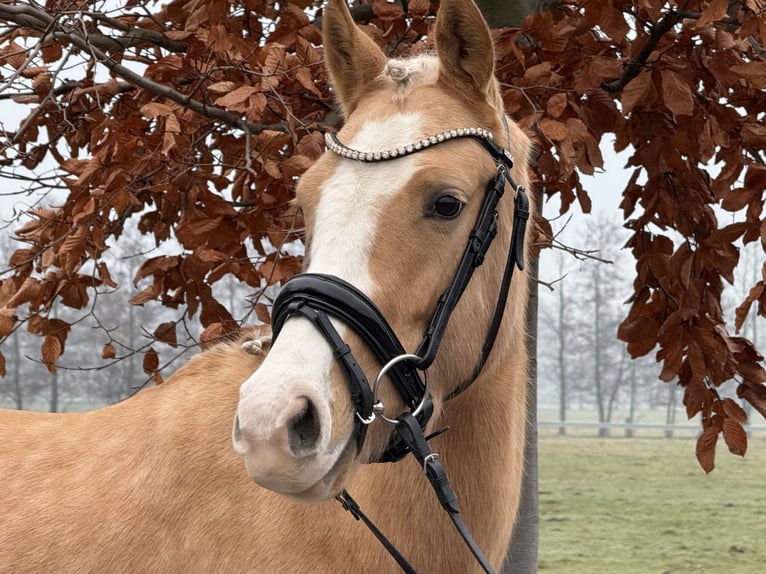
[{"x": 328, "y": 486}]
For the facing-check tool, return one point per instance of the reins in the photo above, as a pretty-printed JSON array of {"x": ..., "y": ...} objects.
[{"x": 315, "y": 296}]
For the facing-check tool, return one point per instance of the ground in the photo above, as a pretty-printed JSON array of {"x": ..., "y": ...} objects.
[{"x": 644, "y": 506}]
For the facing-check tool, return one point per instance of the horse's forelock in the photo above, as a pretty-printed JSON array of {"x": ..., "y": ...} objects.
[{"x": 407, "y": 73}]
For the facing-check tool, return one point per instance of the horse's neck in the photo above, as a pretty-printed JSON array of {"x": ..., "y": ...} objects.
[
  {"x": 483, "y": 455},
  {"x": 483, "y": 450}
]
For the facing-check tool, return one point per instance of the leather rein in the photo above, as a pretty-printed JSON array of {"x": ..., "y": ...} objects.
[{"x": 318, "y": 297}]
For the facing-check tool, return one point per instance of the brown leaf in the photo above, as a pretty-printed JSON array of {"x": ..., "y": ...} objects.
[
  {"x": 672, "y": 353},
  {"x": 387, "y": 10},
  {"x": 738, "y": 198},
  {"x": 52, "y": 348},
  {"x": 635, "y": 91},
  {"x": 151, "y": 361},
  {"x": 213, "y": 312},
  {"x": 51, "y": 52},
  {"x": 222, "y": 88},
  {"x": 715, "y": 11},
  {"x": 584, "y": 200},
  {"x": 610, "y": 19},
  {"x": 755, "y": 394},
  {"x": 556, "y": 105},
  {"x": 289, "y": 265},
  {"x": 146, "y": 295},
  {"x": 735, "y": 436},
  {"x": 207, "y": 255},
  {"x": 255, "y": 106},
  {"x": 733, "y": 410},
  {"x": 104, "y": 276},
  {"x": 697, "y": 396},
  {"x": 21, "y": 257},
  {"x": 166, "y": 332},
  {"x": 156, "y": 265},
  {"x": 73, "y": 294},
  {"x": 307, "y": 80},
  {"x": 7, "y": 320},
  {"x": 14, "y": 54},
  {"x": 553, "y": 129},
  {"x": 262, "y": 312},
  {"x": 170, "y": 136},
  {"x": 753, "y": 72},
  {"x": 85, "y": 212},
  {"x": 237, "y": 99},
  {"x": 296, "y": 165},
  {"x": 2, "y": 365},
  {"x": 676, "y": 94},
  {"x": 418, "y": 7},
  {"x": 273, "y": 63},
  {"x": 706, "y": 447},
  {"x": 753, "y": 134},
  {"x": 538, "y": 75},
  {"x": 108, "y": 352},
  {"x": 741, "y": 312}
]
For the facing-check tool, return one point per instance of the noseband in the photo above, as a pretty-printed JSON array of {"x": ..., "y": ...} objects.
[{"x": 315, "y": 296}]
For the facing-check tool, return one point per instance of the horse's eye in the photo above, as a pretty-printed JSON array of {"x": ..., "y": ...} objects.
[{"x": 447, "y": 207}]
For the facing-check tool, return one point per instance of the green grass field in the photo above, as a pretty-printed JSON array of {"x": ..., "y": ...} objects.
[{"x": 644, "y": 506}]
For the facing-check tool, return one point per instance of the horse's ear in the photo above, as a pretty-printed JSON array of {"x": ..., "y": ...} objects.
[
  {"x": 465, "y": 47},
  {"x": 352, "y": 58}
]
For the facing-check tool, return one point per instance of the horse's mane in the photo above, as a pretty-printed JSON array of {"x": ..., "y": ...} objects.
[{"x": 221, "y": 358}]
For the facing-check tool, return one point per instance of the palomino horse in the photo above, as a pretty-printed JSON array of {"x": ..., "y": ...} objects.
[{"x": 153, "y": 485}]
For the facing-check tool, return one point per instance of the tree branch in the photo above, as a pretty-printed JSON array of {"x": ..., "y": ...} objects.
[
  {"x": 136, "y": 36},
  {"x": 30, "y": 17},
  {"x": 634, "y": 65},
  {"x": 40, "y": 20}
]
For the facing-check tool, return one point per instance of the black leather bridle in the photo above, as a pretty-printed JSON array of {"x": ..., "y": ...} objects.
[{"x": 318, "y": 297}]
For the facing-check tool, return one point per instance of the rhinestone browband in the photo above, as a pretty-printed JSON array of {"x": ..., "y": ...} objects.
[{"x": 335, "y": 145}]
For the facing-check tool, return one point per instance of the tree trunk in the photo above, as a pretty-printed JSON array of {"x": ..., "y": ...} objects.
[
  {"x": 562, "y": 359},
  {"x": 632, "y": 412},
  {"x": 499, "y": 13},
  {"x": 670, "y": 414},
  {"x": 522, "y": 552},
  {"x": 597, "y": 368},
  {"x": 523, "y": 547},
  {"x": 54, "y": 398},
  {"x": 614, "y": 393}
]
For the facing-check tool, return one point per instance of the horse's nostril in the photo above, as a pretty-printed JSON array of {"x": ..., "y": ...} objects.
[{"x": 303, "y": 429}]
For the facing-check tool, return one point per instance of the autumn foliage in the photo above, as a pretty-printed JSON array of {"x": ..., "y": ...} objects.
[{"x": 203, "y": 144}]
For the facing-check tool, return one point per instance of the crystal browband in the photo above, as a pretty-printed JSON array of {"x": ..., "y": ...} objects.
[{"x": 335, "y": 145}]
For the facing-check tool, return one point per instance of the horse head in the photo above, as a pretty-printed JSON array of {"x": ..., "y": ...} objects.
[{"x": 393, "y": 223}]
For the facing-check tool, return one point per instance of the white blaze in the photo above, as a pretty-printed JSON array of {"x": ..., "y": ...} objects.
[
  {"x": 352, "y": 200},
  {"x": 347, "y": 217}
]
